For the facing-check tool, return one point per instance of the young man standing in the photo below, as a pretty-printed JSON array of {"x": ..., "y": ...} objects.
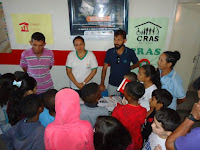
[
  {"x": 119, "y": 59},
  {"x": 37, "y": 62}
]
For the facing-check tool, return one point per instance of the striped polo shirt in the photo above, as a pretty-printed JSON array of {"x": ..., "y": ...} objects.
[{"x": 39, "y": 68}]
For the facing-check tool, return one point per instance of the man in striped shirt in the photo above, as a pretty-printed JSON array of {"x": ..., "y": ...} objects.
[{"x": 37, "y": 62}]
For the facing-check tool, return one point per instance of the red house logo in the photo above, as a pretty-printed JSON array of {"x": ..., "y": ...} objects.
[{"x": 24, "y": 27}]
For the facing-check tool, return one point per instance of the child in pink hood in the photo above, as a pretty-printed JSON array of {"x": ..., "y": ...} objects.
[{"x": 68, "y": 131}]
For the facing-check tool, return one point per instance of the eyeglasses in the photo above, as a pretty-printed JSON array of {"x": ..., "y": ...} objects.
[{"x": 118, "y": 59}]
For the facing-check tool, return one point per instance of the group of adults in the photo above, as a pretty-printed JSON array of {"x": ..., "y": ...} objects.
[{"x": 81, "y": 66}]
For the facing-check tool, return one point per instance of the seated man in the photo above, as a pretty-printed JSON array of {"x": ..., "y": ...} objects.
[{"x": 180, "y": 139}]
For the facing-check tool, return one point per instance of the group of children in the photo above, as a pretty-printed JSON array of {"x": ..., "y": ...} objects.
[{"x": 56, "y": 120}]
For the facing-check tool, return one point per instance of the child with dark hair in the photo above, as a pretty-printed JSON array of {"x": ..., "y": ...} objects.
[
  {"x": 165, "y": 122},
  {"x": 110, "y": 134},
  {"x": 20, "y": 89},
  {"x": 132, "y": 115},
  {"x": 28, "y": 133},
  {"x": 161, "y": 98},
  {"x": 150, "y": 77},
  {"x": 48, "y": 100},
  {"x": 6, "y": 81},
  {"x": 20, "y": 75},
  {"x": 91, "y": 94},
  {"x": 131, "y": 76}
]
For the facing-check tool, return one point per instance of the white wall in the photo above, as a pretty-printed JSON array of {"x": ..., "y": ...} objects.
[
  {"x": 61, "y": 31},
  {"x": 185, "y": 38}
]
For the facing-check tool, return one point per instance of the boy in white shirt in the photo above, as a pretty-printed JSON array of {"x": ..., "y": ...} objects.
[{"x": 165, "y": 122}]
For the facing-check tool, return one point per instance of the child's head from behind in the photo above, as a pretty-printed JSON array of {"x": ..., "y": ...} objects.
[
  {"x": 19, "y": 75},
  {"x": 161, "y": 98},
  {"x": 27, "y": 86},
  {"x": 131, "y": 76},
  {"x": 165, "y": 122},
  {"x": 6, "y": 83},
  {"x": 133, "y": 90},
  {"x": 149, "y": 73},
  {"x": 48, "y": 99},
  {"x": 110, "y": 134},
  {"x": 91, "y": 93},
  {"x": 31, "y": 105}
]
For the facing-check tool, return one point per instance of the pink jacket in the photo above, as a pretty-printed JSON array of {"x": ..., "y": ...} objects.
[{"x": 68, "y": 132}]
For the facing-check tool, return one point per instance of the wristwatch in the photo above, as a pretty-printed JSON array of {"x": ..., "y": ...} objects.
[{"x": 191, "y": 117}]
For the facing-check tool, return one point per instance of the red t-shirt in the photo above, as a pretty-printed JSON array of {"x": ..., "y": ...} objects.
[{"x": 132, "y": 117}]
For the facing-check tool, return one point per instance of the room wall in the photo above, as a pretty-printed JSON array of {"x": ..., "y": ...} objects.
[{"x": 61, "y": 31}]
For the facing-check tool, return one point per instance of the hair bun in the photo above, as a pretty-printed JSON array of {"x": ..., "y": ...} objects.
[{"x": 177, "y": 55}]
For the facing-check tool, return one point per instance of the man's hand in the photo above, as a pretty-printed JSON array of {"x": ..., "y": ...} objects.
[
  {"x": 80, "y": 85},
  {"x": 196, "y": 110},
  {"x": 102, "y": 87}
]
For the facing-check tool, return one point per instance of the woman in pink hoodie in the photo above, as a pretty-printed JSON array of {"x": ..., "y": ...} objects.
[{"x": 68, "y": 131}]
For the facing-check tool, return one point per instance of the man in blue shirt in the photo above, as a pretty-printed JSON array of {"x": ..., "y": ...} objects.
[{"x": 119, "y": 59}]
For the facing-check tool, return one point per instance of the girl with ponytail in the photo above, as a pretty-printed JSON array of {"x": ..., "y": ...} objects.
[
  {"x": 20, "y": 89},
  {"x": 151, "y": 80},
  {"x": 170, "y": 80}
]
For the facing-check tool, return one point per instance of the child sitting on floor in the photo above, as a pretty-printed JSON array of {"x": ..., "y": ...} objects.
[
  {"x": 91, "y": 94},
  {"x": 48, "y": 100},
  {"x": 28, "y": 133},
  {"x": 161, "y": 98},
  {"x": 132, "y": 115},
  {"x": 67, "y": 131},
  {"x": 165, "y": 122}
]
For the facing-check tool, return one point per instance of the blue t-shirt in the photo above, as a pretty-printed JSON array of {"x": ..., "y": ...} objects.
[
  {"x": 45, "y": 118},
  {"x": 173, "y": 83},
  {"x": 119, "y": 64}
]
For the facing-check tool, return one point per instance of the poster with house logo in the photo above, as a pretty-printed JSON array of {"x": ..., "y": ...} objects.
[
  {"x": 26, "y": 24},
  {"x": 4, "y": 40},
  {"x": 147, "y": 37}
]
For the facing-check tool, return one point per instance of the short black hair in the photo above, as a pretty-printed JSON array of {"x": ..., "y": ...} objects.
[
  {"x": 131, "y": 76},
  {"x": 38, "y": 37},
  {"x": 89, "y": 93},
  {"x": 30, "y": 104},
  {"x": 110, "y": 134},
  {"x": 48, "y": 99},
  {"x": 19, "y": 75},
  {"x": 196, "y": 84},
  {"x": 169, "y": 118},
  {"x": 120, "y": 32},
  {"x": 163, "y": 97},
  {"x": 6, "y": 83},
  {"x": 80, "y": 38},
  {"x": 135, "y": 89}
]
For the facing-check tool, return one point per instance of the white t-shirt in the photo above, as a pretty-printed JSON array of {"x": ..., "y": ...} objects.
[
  {"x": 81, "y": 67},
  {"x": 153, "y": 141},
  {"x": 144, "y": 100}
]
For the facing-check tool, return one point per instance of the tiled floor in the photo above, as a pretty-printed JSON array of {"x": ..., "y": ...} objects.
[{"x": 185, "y": 108}]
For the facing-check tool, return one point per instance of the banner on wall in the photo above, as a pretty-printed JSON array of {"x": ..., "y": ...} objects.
[
  {"x": 97, "y": 17},
  {"x": 26, "y": 24},
  {"x": 4, "y": 40},
  {"x": 147, "y": 37}
]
